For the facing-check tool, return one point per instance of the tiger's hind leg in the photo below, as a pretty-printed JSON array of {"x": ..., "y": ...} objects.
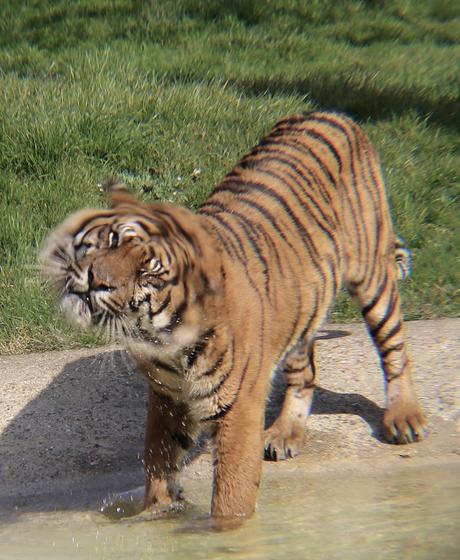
[
  {"x": 285, "y": 436},
  {"x": 380, "y": 306}
]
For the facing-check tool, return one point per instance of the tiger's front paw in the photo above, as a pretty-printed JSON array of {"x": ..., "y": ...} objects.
[
  {"x": 404, "y": 424},
  {"x": 281, "y": 444},
  {"x": 136, "y": 503},
  {"x": 124, "y": 504},
  {"x": 162, "y": 494}
]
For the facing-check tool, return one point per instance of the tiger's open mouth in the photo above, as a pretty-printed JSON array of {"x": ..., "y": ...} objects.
[
  {"x": 80, "y": 307},
  {"x": 86, "y": 299},
  {"x": 87, "y": 310}
]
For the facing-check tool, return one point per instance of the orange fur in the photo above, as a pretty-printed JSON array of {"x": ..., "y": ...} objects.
[{"x": 210, "y": 304}]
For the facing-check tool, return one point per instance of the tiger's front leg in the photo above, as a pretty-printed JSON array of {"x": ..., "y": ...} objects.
[
  {"x": 169, "y": 435},
  {"x": 238, "y": 457}
]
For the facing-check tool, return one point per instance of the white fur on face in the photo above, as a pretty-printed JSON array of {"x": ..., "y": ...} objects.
[{"x": 76, "y": 311}]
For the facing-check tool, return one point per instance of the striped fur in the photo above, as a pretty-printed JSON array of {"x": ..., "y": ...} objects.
[{"x": 210, "y": 304}]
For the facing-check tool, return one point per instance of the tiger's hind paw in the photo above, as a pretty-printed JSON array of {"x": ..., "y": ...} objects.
[
  {"x": 285, "y": 436},
  {"x": 403, "y": 421},
  {"x": 279, "y": 447},
  {"x": 404, "y": 426}
]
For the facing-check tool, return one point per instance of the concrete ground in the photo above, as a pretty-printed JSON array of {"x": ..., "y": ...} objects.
[{"x": 72, "y": 422}]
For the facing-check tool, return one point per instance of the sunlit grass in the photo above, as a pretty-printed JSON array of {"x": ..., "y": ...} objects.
[{"x": 169, "y": 95}]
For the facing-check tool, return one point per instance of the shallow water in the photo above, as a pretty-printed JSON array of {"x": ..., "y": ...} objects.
[{"x": 413, "y": 513}]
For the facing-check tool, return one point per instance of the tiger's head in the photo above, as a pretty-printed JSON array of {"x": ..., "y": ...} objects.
[{"x": 138, "y": 271}]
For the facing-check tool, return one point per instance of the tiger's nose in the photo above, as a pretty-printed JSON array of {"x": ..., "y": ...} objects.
[{"x": 99, "y": 281}]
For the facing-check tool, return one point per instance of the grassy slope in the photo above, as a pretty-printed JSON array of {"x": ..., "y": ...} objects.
[{"x": 154, "y": 92}]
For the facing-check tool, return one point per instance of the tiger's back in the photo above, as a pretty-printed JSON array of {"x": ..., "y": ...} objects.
[{"x": 304, "y": 212}]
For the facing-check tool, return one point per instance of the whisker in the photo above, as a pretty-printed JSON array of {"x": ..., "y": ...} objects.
[
  {"x": 112, "y": 329},
  {"x": 61, "y": 252},
  {"x": 128, "y": 329},
  {"x": 103, "y": 361},
  {"x": 127, "y": 362},
  {"x": 118, "y": 329}
]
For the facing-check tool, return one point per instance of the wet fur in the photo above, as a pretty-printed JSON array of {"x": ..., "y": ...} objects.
[{"x": 210, "y": 303}]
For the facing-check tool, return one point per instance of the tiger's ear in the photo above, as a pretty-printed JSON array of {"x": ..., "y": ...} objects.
[{"x": 117, "y": 193}]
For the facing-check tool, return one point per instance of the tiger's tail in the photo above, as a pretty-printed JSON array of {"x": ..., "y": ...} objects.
[{"x": 403, "y": 258}]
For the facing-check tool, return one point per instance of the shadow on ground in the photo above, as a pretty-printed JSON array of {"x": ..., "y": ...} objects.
[{"x": 88, "y": 422}]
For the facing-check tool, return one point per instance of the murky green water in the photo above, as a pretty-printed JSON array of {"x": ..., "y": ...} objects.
[{"x": 411, "y": 514}]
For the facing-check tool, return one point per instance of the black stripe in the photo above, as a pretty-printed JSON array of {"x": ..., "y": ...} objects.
[
  {"x": 311, "y": 357},
  {"x": 270, "y": 145},
  {"x": 397, "y": 347},
  {"x": 296, "y": 178},
  {"x": 162, "y": 307},
  {"x": 230, "y": 250},
  {"x": 220, "y": 218},
  {"x": 394, "y": 331},
  {"x": 234, "y": 185},
  {"x": 83, "y": 224},
  {"x": 227, "y": 243},
  {"x": 176, "y": 318},
  {"x": 220, "y": 360},
  {"x": 345, "y": 128},
  {"x": 248, "y": 231},
  {"x": 178, "y": 227},
  {"x": 224, "y": 409},
  {"x": 290, "y": 121},
  {"x": 326, "y": 142},
  {"x": 367, "y": 308},
  {"x": 163, "y": 366},
  {"x": 299, "y": 167},
  {"x": 388, "y": 313},
  {"x": 210, "y": 392},
  {"x": 306, "y": 237},
  {"x": 265, "y": 189},
  {"x": 251, "y": 239},
  {"x": 302, "y": 146},
  {"x": 244, "y": 224},
  {"x": 222, "y": 412},
  {"x": 364, "y": 160},
  {"x": 305, "y": 206},
  {"x": 184, "y": 440},
  {"x": 269, "y": 217},
  {"x": 349, "y": 132},
  {"x": 198, "y": 349},
  {"x": 379, "y": 189},
  {"x": 312, "y": 318},
  {"x": 269, "y": 242},
  {"x": 111, "y": 307},
  {"x": 336, "y": 281},
  {"x": 289, "y": 369},
  {"x": 354, "y": 201},
  {"x": 145, "y": 223}
]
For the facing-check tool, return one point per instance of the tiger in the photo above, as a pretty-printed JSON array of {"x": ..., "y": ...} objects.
[{"x": 211, "y": 303}]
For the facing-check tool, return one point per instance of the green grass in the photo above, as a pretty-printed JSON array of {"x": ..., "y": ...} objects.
[{"x": 155, "y": 91}]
